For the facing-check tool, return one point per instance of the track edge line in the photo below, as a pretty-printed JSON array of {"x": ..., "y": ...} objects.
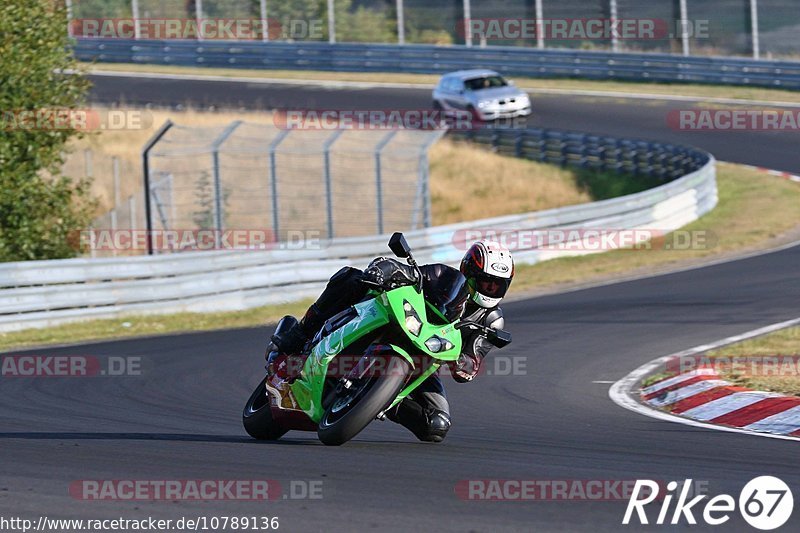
[{"x": 623, "y": 394}]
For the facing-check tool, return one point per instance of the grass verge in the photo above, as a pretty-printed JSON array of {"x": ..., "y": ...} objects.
[
  {"x": 138, "y": 325},
  {"x": 761, "y": 374},
  {"x": 663, "y": 89},
  {"x": 755, "y": 211}
]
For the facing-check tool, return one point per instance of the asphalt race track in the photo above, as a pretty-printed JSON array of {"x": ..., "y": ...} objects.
[
  {"x": 632, "y": 118},
  {"x": 181, "y": 418}
]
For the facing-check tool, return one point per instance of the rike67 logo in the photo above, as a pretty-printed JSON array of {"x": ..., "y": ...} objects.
[{"x": 765, "y": 503}]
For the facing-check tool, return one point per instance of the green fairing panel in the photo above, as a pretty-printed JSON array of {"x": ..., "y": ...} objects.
[{"x": 371, "y": 316}]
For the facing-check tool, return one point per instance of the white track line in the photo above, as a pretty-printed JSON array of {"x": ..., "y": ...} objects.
[{"x": 625, "y": 391}]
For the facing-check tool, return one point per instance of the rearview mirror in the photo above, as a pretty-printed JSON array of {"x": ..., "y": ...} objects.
[
  {"x": 398, "y": 245},
  {"x": 500, "y": 338}
]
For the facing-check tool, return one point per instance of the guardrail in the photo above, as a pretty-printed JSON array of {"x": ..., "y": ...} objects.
[
  {"x": 429, "y": 59},
  {"x": 44, "y": 293}
]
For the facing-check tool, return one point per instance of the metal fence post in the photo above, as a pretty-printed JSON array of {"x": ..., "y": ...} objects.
[
  {"x": 132, "y": 211},
  {"x": 754, "y": 29},
  {"x": 114, "y": 222},
  {"x": 326, "y": 147},
  {"x": 115, "y": 172},
  {"x": 137, "y": 31},
  {"x": 612, "y": 8},
  {"x": 424, "y": 178},
  {"x": 218, "y": 211},
  {"x": 379, "y": 178},
  {"x": 467, "y": 16},
  {"x": 273, "y": 174},
  {"x": 87, "y": 162},
  {"x": 331, "y": 23},
  {"x": 264, "y": 22},
  {"x": 69, "y": 18},
  {"x": 539, "y": 25},
  {"x": 146, "y": 171},
  {"x": 684, "y": 28},
  {"x": 401, "y": 23},
  {"x": 198, "y": 15}
]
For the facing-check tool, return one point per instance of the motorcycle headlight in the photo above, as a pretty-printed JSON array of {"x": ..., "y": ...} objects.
[
  {"x": 413, "y": 323},
  {"x": 438, "y": 344}
]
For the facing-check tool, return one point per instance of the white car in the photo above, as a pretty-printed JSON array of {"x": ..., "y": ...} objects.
[{"x": 483, "y": 93}]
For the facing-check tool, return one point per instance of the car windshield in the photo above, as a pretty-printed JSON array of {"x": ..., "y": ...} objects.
[
  {"x": 484, "y": 82},
  {"x": 445, "y": 289}
]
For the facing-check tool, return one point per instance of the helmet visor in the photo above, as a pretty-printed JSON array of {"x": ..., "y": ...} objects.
[
  {"x": 447, "y": 292},
  {"x": 491, "y": 286}
]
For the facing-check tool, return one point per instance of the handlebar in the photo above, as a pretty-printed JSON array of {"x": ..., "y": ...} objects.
[{"x": 498, "y": 337}]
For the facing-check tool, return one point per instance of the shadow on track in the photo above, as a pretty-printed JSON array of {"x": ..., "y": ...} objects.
[{"x": 175, "y": 437}]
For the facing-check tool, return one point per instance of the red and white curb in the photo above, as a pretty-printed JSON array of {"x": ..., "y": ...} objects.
[
  {"x": 779, "y": 173},
  {"x": 702, "y": 395},
  {"x": 702, "y": 399}
]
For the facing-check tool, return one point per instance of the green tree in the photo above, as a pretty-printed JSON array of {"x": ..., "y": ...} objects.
[{"x": 40, "y": 209}]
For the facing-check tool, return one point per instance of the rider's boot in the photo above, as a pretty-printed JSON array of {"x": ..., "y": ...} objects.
[
  {"x": 292, "y": 339},
  {"x": 285, "y": 353}
]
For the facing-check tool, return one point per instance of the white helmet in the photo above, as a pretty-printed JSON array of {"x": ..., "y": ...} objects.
[{"x": 489, "y": 269}]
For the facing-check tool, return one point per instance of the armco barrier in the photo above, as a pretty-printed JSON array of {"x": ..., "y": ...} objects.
[
  {"x": 514, "y": 61},
  {"x": 43, "y": 293}
]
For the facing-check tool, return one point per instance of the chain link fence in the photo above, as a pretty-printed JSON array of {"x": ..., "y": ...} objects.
[
  {"x": 760, "y": 28},
  {"x": 285, "y": 183}
]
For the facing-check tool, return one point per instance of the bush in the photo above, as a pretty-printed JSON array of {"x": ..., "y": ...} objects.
[{"x": 39, "y": 208}]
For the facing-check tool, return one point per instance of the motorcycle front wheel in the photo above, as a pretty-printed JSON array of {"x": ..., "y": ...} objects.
[{"x": 359, "y": 398}]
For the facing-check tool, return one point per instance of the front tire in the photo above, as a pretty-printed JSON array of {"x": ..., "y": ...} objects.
[
  {"x": 257, "y": 416},
  {"x": 354, "y": 408}
]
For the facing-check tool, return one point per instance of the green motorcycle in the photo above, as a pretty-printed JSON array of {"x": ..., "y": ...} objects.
[{"x": 367, "y": 359}]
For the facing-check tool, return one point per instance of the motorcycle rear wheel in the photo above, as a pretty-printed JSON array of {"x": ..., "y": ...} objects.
[{"x": 257, "y": 416}]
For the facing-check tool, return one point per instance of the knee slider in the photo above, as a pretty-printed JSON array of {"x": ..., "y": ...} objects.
[{"x": 438, "y": 426}]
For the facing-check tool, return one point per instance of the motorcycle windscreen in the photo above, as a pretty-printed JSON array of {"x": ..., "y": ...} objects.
[{"x": 445, "y": 288}]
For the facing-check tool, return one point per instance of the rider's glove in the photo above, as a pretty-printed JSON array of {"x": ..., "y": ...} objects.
[
  {"x": 466, "y": 367},
  {"x": 388, "y": 274}
]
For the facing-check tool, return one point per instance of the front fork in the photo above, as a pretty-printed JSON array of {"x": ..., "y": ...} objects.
[{"x": 410, "y": 388}]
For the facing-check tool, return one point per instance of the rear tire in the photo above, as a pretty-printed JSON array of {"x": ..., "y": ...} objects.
[
  {"x": 257, "y": 416},
  {"x": 346, "y": 417}
]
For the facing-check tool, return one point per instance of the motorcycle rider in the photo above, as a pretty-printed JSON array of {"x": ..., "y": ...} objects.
[{"x": 488, "y": 268}]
